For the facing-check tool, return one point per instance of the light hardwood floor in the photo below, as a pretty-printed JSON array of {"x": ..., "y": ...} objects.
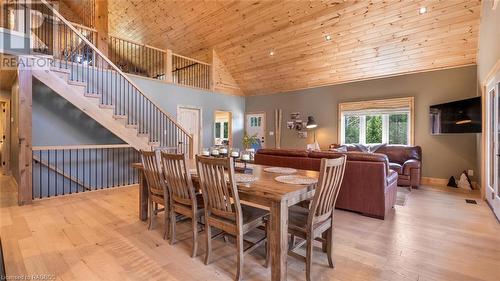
[{"x": 98, "y": 236}]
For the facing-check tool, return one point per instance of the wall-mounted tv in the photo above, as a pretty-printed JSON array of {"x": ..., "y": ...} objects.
[{"x": 457, "y": 117}]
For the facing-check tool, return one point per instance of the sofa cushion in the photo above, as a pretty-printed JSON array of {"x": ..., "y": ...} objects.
[
  {"x": 396, "y": 167},
  {"x": 283, "y": 152}
]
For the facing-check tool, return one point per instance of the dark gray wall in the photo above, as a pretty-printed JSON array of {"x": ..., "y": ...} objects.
[
  {"x": 58, "y": 122},
  {"x": 443, "y": 155},
  {"x": 169, "y": 96}
]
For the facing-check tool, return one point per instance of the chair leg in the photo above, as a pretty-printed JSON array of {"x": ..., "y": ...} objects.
[
  {"x": 167, "y": 223},
  {"x": 268, "y": 243},
  {"x": 195, "y": 235},
  {"x": 292, "y": 242},
  {"x": 173, "y": 222},
  {"x": 151, "y": 214},
  {"x": 309, "y": 254},
  {"x": 329, "y": 245},
  {"x": 239, "y": 248},
  {"x": 324, "y": 245},
  {"x": 208, "y": 250}
]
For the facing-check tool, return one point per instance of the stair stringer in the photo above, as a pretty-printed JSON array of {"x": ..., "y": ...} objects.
[{"x": 91, "y": 106}]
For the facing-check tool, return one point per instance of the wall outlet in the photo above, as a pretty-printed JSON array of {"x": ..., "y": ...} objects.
[
  {"x": 470, "y": 173},
  {"x": 271, "y": 133}
]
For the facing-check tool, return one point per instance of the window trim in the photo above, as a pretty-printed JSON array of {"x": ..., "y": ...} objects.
[{"x": 404, "y": 104}]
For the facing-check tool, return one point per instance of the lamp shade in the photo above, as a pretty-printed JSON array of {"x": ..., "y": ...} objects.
[{"x": 311, "y": 123}]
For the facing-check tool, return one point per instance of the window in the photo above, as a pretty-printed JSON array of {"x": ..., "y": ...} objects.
[
  {"x": 222, "y": 130},
  {"x": 374, "y": 122}
]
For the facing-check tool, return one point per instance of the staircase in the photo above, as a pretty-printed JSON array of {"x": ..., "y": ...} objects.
[{"x": 85, "y": 77}]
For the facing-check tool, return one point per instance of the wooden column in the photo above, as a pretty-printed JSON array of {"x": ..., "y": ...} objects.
[
  {"x": 168, "y": 66},
  {"x": 101, "y": 25},
  {"x": 24, "y": 130}
]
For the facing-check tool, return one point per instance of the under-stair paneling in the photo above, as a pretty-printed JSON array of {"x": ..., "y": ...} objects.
[
  {"x": 169, "y": 96},
  {"x": 57, "y": 122}
]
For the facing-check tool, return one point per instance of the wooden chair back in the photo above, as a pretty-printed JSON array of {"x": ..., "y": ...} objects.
[
  {"x": 218, "y": 190},
  {"x": 178, "y": 178},
  {"x": 327, "y": 190},
  {"x": 153, "y": 174}
]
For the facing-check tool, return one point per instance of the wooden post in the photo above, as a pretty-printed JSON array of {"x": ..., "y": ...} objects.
[
  {"x": 25, "y": 187},
  {"x": 101, "y": 25},
  {"x": 191, "y": 152},
  {"x": 213, "y": 73},
  {"x": 168, "y": 66}
]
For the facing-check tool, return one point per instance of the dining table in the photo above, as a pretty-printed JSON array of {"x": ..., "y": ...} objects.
[{"x": 264, "y": 191}]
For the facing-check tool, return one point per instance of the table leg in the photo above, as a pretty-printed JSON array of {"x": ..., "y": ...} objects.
[
  {"x": 143, "y": 197},
  {"x": 279, "y": 240}
]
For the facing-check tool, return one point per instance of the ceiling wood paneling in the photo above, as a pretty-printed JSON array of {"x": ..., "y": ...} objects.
[{"x": 369, "y": 38}]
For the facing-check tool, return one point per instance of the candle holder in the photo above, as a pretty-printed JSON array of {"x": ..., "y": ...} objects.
[
  {"x": 205, "y": 152},
  {"x": 245, "y": 159}
]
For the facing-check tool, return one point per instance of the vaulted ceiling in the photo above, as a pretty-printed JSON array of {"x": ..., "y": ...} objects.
[{"x": 369, "y": 39}]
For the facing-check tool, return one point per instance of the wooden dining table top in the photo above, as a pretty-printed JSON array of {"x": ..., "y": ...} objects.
[{"x": 265, "y": 186}]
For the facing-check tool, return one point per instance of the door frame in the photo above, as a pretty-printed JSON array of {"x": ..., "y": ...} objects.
[
  {"x": 265, "y": 125},
  {"x": 230, "y": 125},
  {"x": 6, "y": 168},
  {"x": 491, "y": 82},
  {"x": 200, "y": 124}
]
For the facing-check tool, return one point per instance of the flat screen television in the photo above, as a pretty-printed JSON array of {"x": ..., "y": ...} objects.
[{"x": 457, "y": 117}]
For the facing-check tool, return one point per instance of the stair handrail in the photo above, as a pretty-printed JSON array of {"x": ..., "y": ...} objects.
[{"x": 115, "y": 68}]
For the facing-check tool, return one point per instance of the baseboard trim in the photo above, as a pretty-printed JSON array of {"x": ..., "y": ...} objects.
[
  {"x": 433, "y": 181},
  {"x": 443, "y": 182}
]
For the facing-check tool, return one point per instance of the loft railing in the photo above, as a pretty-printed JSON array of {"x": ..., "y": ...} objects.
[
  {"x": 190, "y": 72},
  {"x": 73, "y": 51},
  {"x": 140, "y": 59},
  {"x": 136, "y": 58},
  {"x": 129, "y": 56},
  {"x": 61, "y": 170}
]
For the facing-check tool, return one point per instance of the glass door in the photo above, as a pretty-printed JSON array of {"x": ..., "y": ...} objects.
[{"x": 493, "y": 145}]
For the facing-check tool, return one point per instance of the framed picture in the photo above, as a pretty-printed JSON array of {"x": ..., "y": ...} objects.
[
  {"x": 289, "y": 125},
  {"x": 302, "y": 135},
  {"x": 295, "y": 115}
]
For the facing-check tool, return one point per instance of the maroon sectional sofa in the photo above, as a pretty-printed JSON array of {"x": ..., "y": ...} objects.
[{"x": 369, "y": 186}]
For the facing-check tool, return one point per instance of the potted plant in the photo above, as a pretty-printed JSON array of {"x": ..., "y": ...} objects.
[{"x": 248, "y": 141}]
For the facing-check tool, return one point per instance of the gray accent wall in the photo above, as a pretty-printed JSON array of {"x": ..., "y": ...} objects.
[
  {"x": 443, "y": 155},
  {"x": 170, "y": 96},
  {"x": 57, "y": 122}
]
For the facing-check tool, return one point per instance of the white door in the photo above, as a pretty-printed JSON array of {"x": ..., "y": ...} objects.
[
  {"x": 255, "y": 123},
  {"x": 493, "y": 144},
  {"x": 189, "y": 119}
]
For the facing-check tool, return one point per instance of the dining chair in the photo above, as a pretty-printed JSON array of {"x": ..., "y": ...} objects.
[
  {"x": 184, "y": 200},
  {"x": 158, "y": 192},
  {"x": 223, "y": 209},
  {"x": 311, "y": 223}
]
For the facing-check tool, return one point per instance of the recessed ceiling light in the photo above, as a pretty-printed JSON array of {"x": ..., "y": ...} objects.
[
  {"x": 328, "y": 37},
  {"x": 422, "y": 10},
  {"x": 271, "y": 53}
]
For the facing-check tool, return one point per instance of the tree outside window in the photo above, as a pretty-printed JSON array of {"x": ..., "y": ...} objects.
[
  {"x": 374, "y": 129},
  {"x": 351, "y": 129}
]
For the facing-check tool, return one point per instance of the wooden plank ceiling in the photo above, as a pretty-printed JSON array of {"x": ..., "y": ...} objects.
[{"x": 369, "y": 39}]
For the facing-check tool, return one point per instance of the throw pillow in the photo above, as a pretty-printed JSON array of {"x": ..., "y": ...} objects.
[{"x": 375, "y": 147}]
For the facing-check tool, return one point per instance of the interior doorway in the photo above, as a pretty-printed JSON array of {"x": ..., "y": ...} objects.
[
  {"x": 4, "y": 136},
  {"x": 255, "y": 124},
  {"x": 190, "y": 119},
  {"x": 223, "y": 128},
  {"x": 492, "y": 190}
]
